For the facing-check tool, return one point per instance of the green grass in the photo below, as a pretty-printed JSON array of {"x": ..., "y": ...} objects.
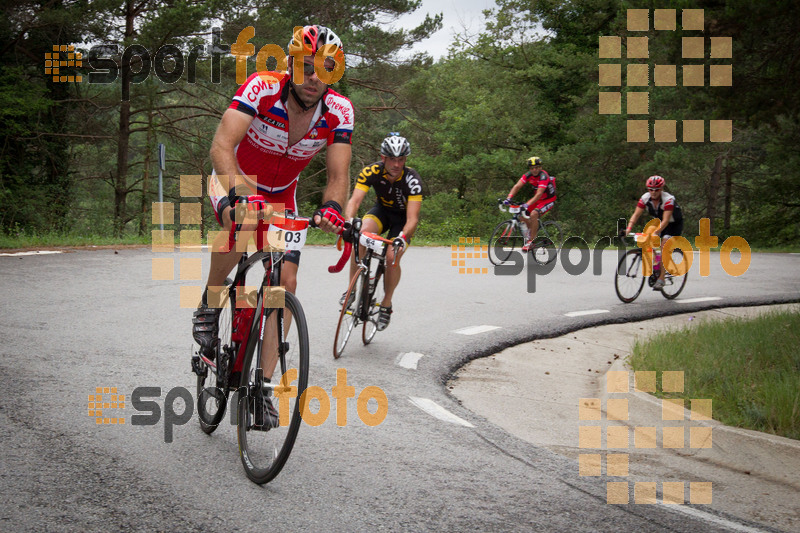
[
  {"x": 48, "y": 240},
  {"x": 749, "y": 368}
]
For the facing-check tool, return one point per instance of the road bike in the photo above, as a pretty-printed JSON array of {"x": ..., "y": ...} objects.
[
  {"x": 364, "y": 294},
  {"x": 259, "y": 328},
  {"x": 513, "y": 233},
  {"x": 629, "y": 277}
]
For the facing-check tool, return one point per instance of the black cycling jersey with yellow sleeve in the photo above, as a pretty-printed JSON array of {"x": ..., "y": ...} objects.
[{"x": 393, "y": 195}]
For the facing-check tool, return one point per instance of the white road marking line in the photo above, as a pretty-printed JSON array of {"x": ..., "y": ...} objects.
[
  {"x": 693, "y": 300},
  {"x": 408, "y": 360},
  {"x": 35, "y": 252},
  {"x": 587, "y": 312},
  {"x": 708, "y": 517},
  {"x": 474, "y": 330},
  {"x": 437, "y": 411}
]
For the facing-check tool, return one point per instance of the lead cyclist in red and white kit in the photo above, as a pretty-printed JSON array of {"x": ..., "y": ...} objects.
[
  {"x": 267, "y": 136},
  {"x": 543, "y": 200}
]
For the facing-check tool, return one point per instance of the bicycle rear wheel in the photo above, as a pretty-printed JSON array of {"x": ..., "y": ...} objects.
[
  {"x": 373, "y": 301},
  {"x": 554, "y": 232},
  {"x": 212, "y": 391},
  {"x": 505, "y": 238},
  {"x": 349, "y": 315},
  {"x": 543, "y": 250},
  {"x": 673, "y": 285},
  {"x": 265, "y": 448},
  {"x": 628, "y": 280}
]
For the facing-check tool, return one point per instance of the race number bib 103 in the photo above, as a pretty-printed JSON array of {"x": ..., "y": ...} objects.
[{"x": 286, "y": 240}]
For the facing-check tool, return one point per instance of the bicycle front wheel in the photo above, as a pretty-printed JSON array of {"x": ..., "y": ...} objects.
[
  {"x": 505, "y": 238},
  {"x": 265, "y": 442},
  {"x": 628, "y": 279},
  {"x": 212, "y": 391},
  {"x": 673, "y": 285},
  {"x": 373, "y": 302},
  {"x": 349, "y": 315}
]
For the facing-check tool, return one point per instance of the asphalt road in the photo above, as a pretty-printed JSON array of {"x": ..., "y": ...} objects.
[{"x": 72, "y": 322}]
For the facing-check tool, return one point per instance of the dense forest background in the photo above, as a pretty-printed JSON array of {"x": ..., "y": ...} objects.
[{"x": 80, "y": 157}]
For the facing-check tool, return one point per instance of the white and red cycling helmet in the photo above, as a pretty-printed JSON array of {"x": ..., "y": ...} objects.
[
  {"x": 310, "y": 39},
  {"x": 655, "y": 182}
]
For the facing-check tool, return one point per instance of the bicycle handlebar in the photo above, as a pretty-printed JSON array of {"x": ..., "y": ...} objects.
[{"x": 502, "y": 207}]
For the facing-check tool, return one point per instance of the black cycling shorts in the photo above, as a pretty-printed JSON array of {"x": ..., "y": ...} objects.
[
  {"x": 393, "y": 221},
  {"x": 673, "y": 229}
]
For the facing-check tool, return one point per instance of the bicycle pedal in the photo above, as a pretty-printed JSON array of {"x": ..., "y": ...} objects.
[{"x": 196, "y": 367}]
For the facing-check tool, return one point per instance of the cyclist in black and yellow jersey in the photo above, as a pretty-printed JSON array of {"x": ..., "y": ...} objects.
[{"x": 399, "y": 196}]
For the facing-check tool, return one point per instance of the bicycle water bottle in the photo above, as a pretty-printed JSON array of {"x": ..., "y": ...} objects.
[
  {"x": 657, "y": 265},
  {"x": 526, "y": 232}
]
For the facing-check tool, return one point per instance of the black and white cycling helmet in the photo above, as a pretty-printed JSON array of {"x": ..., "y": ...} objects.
[{"x": 395, "y": 146}]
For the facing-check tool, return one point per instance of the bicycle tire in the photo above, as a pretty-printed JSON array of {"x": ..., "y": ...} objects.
[
  {"x": 212, "y": 399},
  {"x": 373, "y": 301},
  {"x": 673, "y": 285},
  {"x": 629, "y": 284},
  {"x": 543, "y": 251},
  {"x": 506, "y": 236},
  {"x": 349, "y": 315},
  {"x": 554, "y": 232},
  {"x": 265, "y": 452}
]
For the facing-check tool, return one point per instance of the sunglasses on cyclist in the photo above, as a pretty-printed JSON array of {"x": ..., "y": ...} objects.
[
  {"x": 308, "y": 68},
  {"x": 653, "y": 190}
]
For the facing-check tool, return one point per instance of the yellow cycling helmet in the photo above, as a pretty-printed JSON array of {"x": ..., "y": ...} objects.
[{"x": 534, "y": 161}]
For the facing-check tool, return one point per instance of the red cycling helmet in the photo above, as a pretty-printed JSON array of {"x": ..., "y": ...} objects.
[{"x": 655, "y": 182}]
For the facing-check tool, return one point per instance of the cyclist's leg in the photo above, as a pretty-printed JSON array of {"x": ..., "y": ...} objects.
[
  {"x": 269, "y": 346},
  {"x": 393, "y": 271},
  {"x": 673, "y": 229},
  {"x": 373, "y": 222},
  {"x": 204, "y": 320}
]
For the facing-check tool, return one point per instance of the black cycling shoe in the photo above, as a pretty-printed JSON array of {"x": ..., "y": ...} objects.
[
  {"x": 206, "y": 327},
  {"x": 349, "y": 301},
  {"x": 265, "y": 416},
  {"x": 384, "y": 316}
]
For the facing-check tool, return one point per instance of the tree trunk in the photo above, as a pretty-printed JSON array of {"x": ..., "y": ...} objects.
[
  {"x": 713, "y": 189},
  {"x": 121, "y": 182},
  {"x": 146, "y": 175},
  {"x": 728, "y": 182}
]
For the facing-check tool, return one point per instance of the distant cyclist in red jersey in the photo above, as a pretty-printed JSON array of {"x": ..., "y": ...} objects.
[
  {"x": 267, "y": 136},
  {"x": 543, "y": 200}
]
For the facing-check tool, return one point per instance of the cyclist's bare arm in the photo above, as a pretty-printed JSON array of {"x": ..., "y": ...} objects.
[
  {"x": 515, "y": 189},
  {"x": 354, "y": 203},
  {"x": 230, "y": 132},
  {"x": 634, "y": 218},
  {"x": 412, "y": 217},
  {"x": 337, "y": 159},
  {"x": 664, "y": 222}
]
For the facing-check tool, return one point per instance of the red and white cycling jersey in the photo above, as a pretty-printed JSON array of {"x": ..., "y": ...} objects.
[
  {"x": 668, "y": 203},
  {"x": 270, "y": 165},
  {"x": 543, "y": 180}
]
